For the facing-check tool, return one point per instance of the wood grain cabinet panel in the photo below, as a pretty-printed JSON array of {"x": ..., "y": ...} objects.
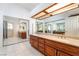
[
  {"x": 35, "y": 44},
  {"x": 41, "y": 49},
  {"x": 41, "y": 40},
  {"x": 59, "y": 53},
  {"x": 72, "y": 50},
  {"x": 33, "y": 37},
  {"x": 41, "y": 45},
  {"x": 51, "y": 43},
  {"x": 34, "y": 41},
  {"x": 49, "y": 51},
  {"x": 53, "y": 48}
]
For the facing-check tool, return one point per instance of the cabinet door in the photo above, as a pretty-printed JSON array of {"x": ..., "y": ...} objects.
[
  {"x": 62, "y": 54},
  {"x": 41, "y": 47},
  {"x": 34, "y": 41},
  {"x": 41, "y": 40},
  {"x": 49, "y": 51},
  {"x": 35, "y": 44}
]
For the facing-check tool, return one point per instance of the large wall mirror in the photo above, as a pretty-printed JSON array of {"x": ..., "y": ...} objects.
[
  {"x": 48, "y": 27},
  {"x": 55, "y": 27},
  {"x": 59, "y": 28},
  {"x": 39, "y": 27},
  {"x": 68, "y": 27}
]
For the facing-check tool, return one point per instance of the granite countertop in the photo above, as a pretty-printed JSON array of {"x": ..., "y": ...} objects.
[{"x": 70, "y": 41}]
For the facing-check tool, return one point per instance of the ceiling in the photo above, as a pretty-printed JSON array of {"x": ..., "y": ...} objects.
[
  {"x": 46, "y": 14},
  {"x": 29, "y": 6}
]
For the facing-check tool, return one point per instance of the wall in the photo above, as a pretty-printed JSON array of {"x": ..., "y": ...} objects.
[
  {"x": 1, "y": 29},
  {"x": 13, "y": 10},
  {"x": 72, "y": 26}
]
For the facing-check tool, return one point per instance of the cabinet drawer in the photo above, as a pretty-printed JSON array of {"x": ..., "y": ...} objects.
[
  {"x": 41, "y": 49},
  {"x": 41, "y": 45},
  {"x": 51, "y": 43},
  {"x": 49, "y": 51},
  {"x": 35, "y": 45},
  {"x": 63, "y": 47},
  {"x": 41, "y": 40},
  {"x": 33, "y": 37}
]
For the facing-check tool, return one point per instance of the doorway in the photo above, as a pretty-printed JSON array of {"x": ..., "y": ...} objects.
[{"x": 15, "y": 30}]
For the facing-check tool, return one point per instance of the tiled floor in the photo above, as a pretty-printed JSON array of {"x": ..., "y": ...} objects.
[
  {"x": 13, "y": 40},
  {"x": 20, "y": 49}
]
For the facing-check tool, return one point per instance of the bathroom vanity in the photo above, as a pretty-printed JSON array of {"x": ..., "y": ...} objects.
[{"x": 54, "y": 46}]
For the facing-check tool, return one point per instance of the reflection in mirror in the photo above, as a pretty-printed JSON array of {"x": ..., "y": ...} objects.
[
  {"x": 22, "y": 30},
  {"x": 10, "y": 26},
  {"x": 67, "y": 27},
  {"x": 39, "y": 27},
  {"x": 48, "y": 28},
  {"x": 59, "y": 28}
]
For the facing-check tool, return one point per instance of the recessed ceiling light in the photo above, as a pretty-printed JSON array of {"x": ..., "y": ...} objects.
[
  {"x": 71, "y": 6},
  {"x": 57, "y": 6},
  {"x": 55, "y": 9},
  {"x": 40, "y": 14},
  {"x": 48, "y": 15}
]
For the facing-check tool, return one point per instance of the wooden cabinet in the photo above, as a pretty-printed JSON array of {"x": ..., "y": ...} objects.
[
  {"x": 49, "y": 51},
  {"x": 41, "y": 49},
  {"x": 41, "y": 40},
  {"x": 60, "y": 53},
  {"x": 41, "y": 45},
  {"x": 53, "y": 48},
  {"x": 34, "y": 41},
  {"x": 71, "y": 50},
  {"x": 35, "y": 44},
  {"x": 22, "y": 35}
]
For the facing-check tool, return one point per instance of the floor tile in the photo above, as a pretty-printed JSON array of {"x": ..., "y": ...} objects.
[{"x": 21, "y": 49}]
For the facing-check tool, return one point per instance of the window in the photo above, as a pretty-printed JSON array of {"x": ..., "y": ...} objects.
[{"x": 10, "y": 26}]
